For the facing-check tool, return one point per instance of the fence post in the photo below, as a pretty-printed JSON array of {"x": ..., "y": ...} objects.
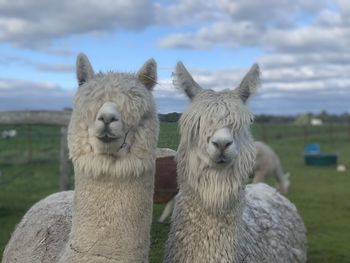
[{"x": 65, "y": 167}]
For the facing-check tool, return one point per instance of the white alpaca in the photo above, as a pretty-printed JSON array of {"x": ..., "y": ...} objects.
[
  {"x": 216, "y": 218},
  {"x": 112, "y": 138},
  {"x": 267, "y": 163}
]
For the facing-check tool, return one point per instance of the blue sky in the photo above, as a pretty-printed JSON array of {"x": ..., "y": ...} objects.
[{"x": 302, "y": 48}]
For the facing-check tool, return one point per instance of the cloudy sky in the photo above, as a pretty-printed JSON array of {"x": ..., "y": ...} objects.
[{"x": 303, "y": 48}]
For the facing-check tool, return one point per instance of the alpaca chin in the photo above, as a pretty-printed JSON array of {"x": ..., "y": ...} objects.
[
  {"x": 116, "y": 148},
  {"x": 216, "y": 185}
]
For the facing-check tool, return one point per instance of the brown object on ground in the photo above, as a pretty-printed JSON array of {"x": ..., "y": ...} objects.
[{"x": 165, "y": 187}]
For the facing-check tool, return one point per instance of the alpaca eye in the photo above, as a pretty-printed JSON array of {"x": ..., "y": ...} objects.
[{"x": 228, "y": 144}]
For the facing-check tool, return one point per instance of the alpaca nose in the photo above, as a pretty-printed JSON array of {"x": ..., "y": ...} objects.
[
  {"x": 222, "y": 145},
  {"x": 108, "y": 114},
  {"x": 107, "y": 118}
]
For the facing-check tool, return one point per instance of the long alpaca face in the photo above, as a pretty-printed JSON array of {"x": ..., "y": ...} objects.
[
  {"x": 216, "y": 151},
  {"x": 216, "y": 123},
  {"x": 110, "y": 109}
]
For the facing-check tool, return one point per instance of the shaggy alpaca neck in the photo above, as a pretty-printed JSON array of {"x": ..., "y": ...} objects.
[
  {"x": 199, "y": 235},
  {"x": 205, "y": 230},
  {"x": 111, "y": 219},
  {"x": 206, "y": 223}
]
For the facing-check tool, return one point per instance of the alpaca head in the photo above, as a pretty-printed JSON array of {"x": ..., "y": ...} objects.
[
  {"x": 216, "y": 151},
  {"x": 109, "y": 111}
]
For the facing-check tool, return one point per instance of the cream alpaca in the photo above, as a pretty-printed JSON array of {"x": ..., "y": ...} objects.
[
  {"x": 112, "y": 138},
  {"x": 216, "y": 218},
  {"x": 267, "y": 163}
]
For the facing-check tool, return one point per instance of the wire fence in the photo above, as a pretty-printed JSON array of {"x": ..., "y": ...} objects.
[{"x": 38, "y": 141}]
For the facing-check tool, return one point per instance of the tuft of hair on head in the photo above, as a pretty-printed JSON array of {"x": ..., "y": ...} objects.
[
  {"x": 250, "y": 83},
  {"x": 184, "y": 81},
  {"x": 84, "y": 69},
  {"x": 148, "y": 74}
]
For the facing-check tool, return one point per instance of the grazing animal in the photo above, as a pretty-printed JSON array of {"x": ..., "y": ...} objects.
[
  {"x": 216, "y": 217},
  {"x": 112, "y": 139},
  {"x": 267, "y": 163}
]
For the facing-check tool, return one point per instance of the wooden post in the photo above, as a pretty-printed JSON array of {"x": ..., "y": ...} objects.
[
  {"x": 65, "y": 167},
  {"x": 30, "y": 144},
  {"x": 56, "y": 118}
]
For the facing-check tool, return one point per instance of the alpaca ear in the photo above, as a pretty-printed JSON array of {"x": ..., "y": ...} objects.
[
  {"x": 148, "y": 74},
  {"x": 185, "y": 81},
  {"x": 249, "y": 83},
  {"x": 84, "y": 69}
]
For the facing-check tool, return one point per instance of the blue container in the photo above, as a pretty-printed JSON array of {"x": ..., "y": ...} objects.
[{"x": 321, "y": 159}]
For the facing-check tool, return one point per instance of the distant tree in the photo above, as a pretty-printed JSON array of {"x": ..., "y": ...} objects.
[
  {"x": 302, "y": 119},
  {"x": 169, "y": 117},
  {"x": 264, "y": 118}
]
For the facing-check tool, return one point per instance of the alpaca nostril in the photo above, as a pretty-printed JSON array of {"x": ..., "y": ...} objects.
[
  {"x": 228, "y": 144},
  {"x": 114, "y": 119},
  {"x": 107, "y": 119},
  {"x": 222, "y": 145}
]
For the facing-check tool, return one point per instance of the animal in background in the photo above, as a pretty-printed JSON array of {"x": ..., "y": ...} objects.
[{"x": 268, "y": 163}]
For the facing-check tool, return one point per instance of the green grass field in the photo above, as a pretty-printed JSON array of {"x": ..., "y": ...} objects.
[{"x": 321, "y": 194}]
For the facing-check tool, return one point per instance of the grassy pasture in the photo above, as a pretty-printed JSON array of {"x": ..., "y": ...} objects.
[{"x": 321, "y": 194}]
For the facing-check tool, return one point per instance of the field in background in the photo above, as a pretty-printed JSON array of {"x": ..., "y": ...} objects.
[{"x": 320, "y": 193}]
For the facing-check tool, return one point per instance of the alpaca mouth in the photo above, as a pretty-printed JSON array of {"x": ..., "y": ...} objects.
[
  {"x": 107, "y": 138},
  {"x": 222, "y": 160}
]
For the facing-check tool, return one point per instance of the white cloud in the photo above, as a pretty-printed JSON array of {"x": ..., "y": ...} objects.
[
  {"x": 271, "y": 25},
  {"x": 287, "y": 90},
  {"x": 24, "y": 95},
  {"x": 184, "y": 12},
  {"x": 304, "y": 46},
  {"x": 9, "y": 60},
  {"x": 35, "y": 23},
  {"x": 218, "y": 34}
]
